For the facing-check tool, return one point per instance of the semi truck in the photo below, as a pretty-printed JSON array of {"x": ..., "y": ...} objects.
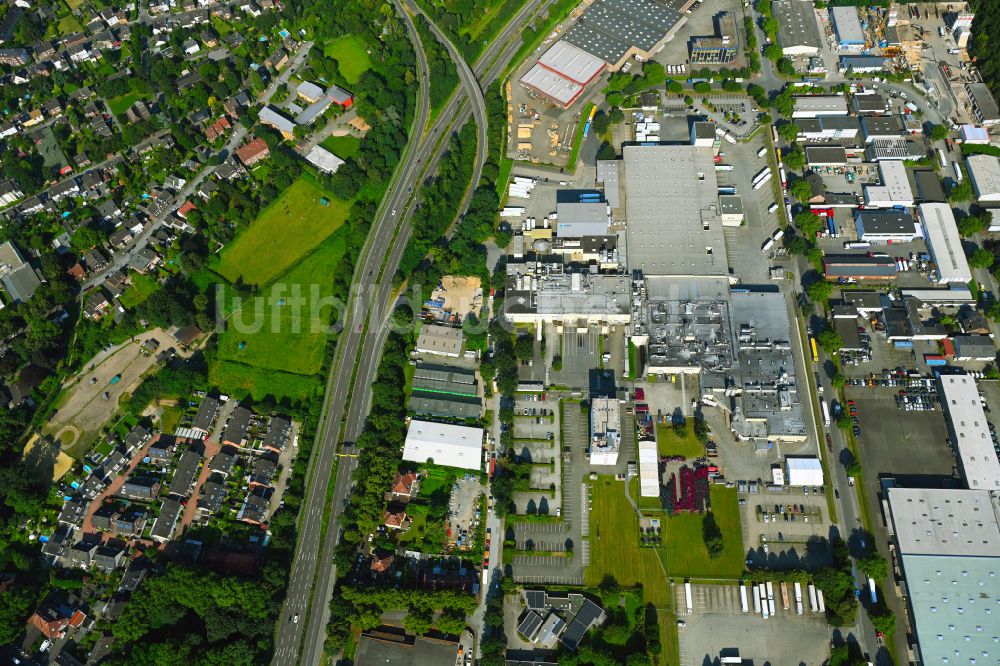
[
  {"x": 871, "y": 590},
  {"x": 688, "y": 598},
  {"x": 826, "y": 413},
  {"x": 743, "y": 598},
  {"x": 798, "y": 598},
  {"x": 819, "y": 600},
  {"x": 812, "y": 598}
]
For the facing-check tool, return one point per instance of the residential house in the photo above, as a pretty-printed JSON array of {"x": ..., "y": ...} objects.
[
  {"x": 95, "y": 260},
  {"x": 72, "y": 513},
  {"x": 186, "y": 208},
  {"x": 108, "y": 210},
  {"x": 204, "y": 419},
  {"x": 140, "y": 487},
  {"x": 381, "y": 564},
  {"x": 95, "y": 305},
  {"x": 52, "y": 108},
  {"x": 184, "y": 475},
  {"x": 67, "y": 188},
  {"x": 9, "y": 192},
  {"x": 81, "y": 554},
  {"x": 252, "y": 152},
  {"x": 162, "y": 449},
  {"x": 275, "y": 119},
  {"x": 395, "y": 520},
  {"x": 137, "y": 438},
  {"x": 120, "y": 238},
  {"x": 404, "y": 486},
  {"x": 18, "y": 277},
  {"x": 231, "y": 169},
  {"x": 187, "y": 336},
  {"x": 254, "y": 510},
  {"x": 116, "y": 283},
  {"x": 166, "y": 522},
  {"x": 213, "y": 495},
  {"x": 143, "y": 261},
  {"x": 263, "y": 472},
  {"x": 277, "y": 60},
  {"x": 235, "y": 432},
  {"x": 51, "y": 621},
  {"x": 108, "y": 558},
  {"x": 278, "y": 432},
  {"x": 224, "y": 461},
  {"x": 190, "y": 47}
]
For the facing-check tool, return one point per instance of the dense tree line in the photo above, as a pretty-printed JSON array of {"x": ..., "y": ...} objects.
[
  {"x": 456, "y": 17},
  {"x": 442, "y": 77},
  {"x": 189, "y": 616}
]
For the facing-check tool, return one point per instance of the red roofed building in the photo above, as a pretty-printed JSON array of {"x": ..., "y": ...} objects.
[
  {"x": 404, "y": 484},
  {"x": 381, "y": 564},
  {"x": 77, "y": 620},
  {"x": 217, "y": 129},
  {"x": 76, "y": 271},
  {"x": 185, "y": 208},
  {"x": 48, "y": 620},
  {"x": 396, "y": 520},
  {"x": 252, "y": 152}
]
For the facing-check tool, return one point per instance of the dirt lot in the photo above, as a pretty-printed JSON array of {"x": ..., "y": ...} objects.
[
  {"x": 461, "y": 295},
  {"x": 462, "y": 506},
  {"x": 83, "y": 409}
]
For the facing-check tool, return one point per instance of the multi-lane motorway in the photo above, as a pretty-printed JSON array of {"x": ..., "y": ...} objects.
[{"x": 302, "y": 623}]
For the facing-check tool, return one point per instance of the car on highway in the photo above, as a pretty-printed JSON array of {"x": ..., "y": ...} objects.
[{"x": 295, "y": 619}]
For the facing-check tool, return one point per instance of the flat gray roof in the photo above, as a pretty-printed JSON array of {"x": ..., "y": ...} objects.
[
  {"x": 848, "y": 25},
  {"x": 607, "y": 175},
  {"x": 609, "y": 28},
  {"x": 671, "y": 196},
  {"x": 797, "y": 24},
  {"x": 984, "y": 100}
]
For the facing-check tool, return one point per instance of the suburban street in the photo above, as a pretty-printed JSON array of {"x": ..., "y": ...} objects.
[{"x": 121, "y": 259}]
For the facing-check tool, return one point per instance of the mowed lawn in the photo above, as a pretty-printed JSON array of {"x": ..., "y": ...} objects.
[
  {"x": 342, "y": 146},
  {"x": 283, "y": 233},
  {"x": 284, "y": 329},
  {"x": 686, "y": 555},
  {"x": 614, "y": 544},
  {"x": 351, "y": 56},
  {"x": 668, "y": 443},
  {"x": 120, "y": 105}
]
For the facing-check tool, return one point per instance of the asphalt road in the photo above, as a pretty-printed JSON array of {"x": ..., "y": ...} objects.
[{"x": 313, "y": 575}]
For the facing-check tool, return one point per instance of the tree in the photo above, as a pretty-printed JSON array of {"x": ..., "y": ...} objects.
[
  {"x": 615, "y": 98},
  {"x": 845, "y": 422},
  {"x": 993, "y": 311},
  {"x": 786, "y": 67},
  {"x": 606, "y": 152},
  {"x": 795, "y": 158},
  {"x": 616, "y": 115},
  {"x": 770, "y": 27},
  {"x": 874, "y": 566},
  {"x": 883, "y": 620},
  {"x": 801, "y": 190},
  {"x": 788, "y": 131},
  {"x": 703, "y": 87},
  {"x": 971, "y": 225},
  {"x": 524, "y": 347},
  {"x": 961, "y": 191},
  {"x": 601, "y": 122},
  {"x": 829, "y": 340},
  {"x": 838, "y": 380},
  {"x": 674, "y": 87},
  {"x": 451, "y": 622},
  {"x": 819, "y": 291},
  {"x": 712, "y": 535},
  {"x": 937, "y": 133},
  {"x": 772, "y": 52},
  {"x": 808, "y": 223},
  {"x": 85, "y": 238},
  {"x": 981, "y": 258}
]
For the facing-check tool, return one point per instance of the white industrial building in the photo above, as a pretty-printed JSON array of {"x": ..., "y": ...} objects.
[
  {"x": 974, "y": 135},
  {"x": 798, "y": 32},
  {"x": 323, "y": 159},
  {"x": 847, "y": 24},
  {"x": 984, "y": 172},
  {"x": 582, "y": 218},
  {"x": 671, "y": 203},
  {"x": 444, "y": 444},
  {"x": 813, "y": 106},
  {"x": 885, "y": 226},
  {"x": 940, "y": 232},
  {"x": 804, "y": 471},
  {"x": 895, "y": 189},
  {"x": 563, "y": 72},
  {"x": 649, "y": 469},
  {"x": 970, "y": 434},
  {"x": 605, "y": 431},
  {"x": 948, "y": 542}
]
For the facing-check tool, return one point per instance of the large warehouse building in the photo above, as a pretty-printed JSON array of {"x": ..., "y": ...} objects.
[
  {"x": 616, "y": 30},
  {"x": 445, "y": 444},
  {"x": 969, "y": 430},
  {"x": 948, "y": 542},
  {"x": 847, "y": 25},
  {"x": 943, "y": 241},
  {"x": 798, "y": 33},
  {"x": 562, "y": 73},
  {"x": 671, "y": 202},
  {"x": 649, "y": 469},
  {"x": 984, "y": 172}
]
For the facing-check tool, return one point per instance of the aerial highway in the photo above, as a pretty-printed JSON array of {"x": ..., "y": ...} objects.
[{"x": 302, "y": 624}]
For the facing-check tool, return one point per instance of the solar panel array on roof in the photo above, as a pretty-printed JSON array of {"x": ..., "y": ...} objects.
[
  {"x": 535, "y": 598},
  {"x": 609, "y": 28},
  {"x": 577, "y": 629},
  {"x": 529, "y": 625}
]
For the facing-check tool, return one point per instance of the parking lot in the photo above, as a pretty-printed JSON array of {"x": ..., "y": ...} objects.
[
  {"x": 462, "y": 514},
  {"x": 786, "y": 530},
  {"x": 718, "y": 626}
]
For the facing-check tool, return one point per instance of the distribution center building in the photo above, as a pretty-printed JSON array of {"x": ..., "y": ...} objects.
[
  {"x": 940, "y": 232},
  {"x": 984, "y": 172},
  {"x": 445, "y": 444},
  {"x": 562, "y": 73},
  {"x": 798, "y": 33},
  {"x": 969, "y": 430},
  {"x": 616, "y": 30},
  {"x": 948, "y": 542},
  {"x": 805, "y": 471}
]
